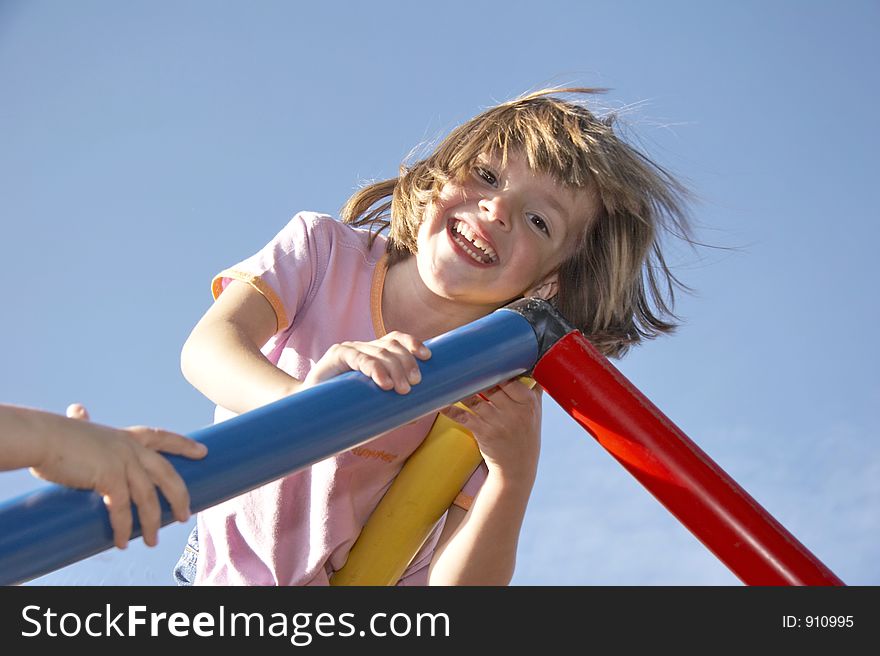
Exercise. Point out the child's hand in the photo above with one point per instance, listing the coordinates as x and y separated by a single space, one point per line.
506 422
390 361
124 467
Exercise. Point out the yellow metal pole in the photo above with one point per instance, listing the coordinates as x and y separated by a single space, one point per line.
424 489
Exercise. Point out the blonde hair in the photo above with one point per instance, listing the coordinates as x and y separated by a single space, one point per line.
615 286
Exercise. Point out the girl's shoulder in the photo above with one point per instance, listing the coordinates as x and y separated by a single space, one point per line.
334 232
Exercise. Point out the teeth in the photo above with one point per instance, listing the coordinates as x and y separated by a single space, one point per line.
464 245
488 254
479 243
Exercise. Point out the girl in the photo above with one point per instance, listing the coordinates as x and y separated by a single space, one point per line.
533 197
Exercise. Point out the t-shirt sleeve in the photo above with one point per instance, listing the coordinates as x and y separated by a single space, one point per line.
465 498
287 271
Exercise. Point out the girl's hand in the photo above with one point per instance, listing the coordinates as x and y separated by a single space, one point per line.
506 422
390 361
124 467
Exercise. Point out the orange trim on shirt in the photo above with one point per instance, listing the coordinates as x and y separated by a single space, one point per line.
257 283
376 288
463 501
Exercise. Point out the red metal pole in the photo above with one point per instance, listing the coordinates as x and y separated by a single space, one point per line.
730 523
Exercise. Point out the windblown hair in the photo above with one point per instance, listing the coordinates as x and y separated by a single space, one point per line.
615 286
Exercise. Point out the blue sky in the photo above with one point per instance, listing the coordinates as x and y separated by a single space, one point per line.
147 145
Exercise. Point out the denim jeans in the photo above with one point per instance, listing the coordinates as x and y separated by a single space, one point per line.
185 569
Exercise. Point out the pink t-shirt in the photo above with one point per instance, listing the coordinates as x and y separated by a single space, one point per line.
325 284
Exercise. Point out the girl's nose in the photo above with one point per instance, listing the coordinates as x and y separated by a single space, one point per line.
496 208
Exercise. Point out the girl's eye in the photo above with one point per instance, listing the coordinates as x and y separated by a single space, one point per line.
539 223
485 174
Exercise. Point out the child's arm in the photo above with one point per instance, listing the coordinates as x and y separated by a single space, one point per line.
478 547
222 357
121 465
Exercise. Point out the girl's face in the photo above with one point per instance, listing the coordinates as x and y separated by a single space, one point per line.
500 234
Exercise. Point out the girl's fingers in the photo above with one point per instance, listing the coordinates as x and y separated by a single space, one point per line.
144 497
473 422
167 442
118 504
404 365
412 344
389 365
366 361
473 401
456 414
452 412
391 361
77 411
398 363
166 478
515 391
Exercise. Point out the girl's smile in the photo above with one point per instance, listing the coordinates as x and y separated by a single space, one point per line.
476 248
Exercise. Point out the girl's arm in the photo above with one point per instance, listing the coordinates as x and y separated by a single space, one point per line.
121 465
222 357
478 547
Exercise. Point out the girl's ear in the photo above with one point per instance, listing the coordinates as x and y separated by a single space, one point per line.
546 289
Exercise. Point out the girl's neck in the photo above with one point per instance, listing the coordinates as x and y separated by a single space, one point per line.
410 307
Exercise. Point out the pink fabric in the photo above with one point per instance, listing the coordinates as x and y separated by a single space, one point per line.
298 530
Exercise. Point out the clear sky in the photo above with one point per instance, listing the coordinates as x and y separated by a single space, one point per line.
144 146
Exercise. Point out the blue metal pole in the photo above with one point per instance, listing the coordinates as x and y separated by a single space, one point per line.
55 526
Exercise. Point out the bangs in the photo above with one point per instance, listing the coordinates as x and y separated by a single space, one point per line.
555 139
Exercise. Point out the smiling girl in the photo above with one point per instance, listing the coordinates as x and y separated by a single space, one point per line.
533 197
